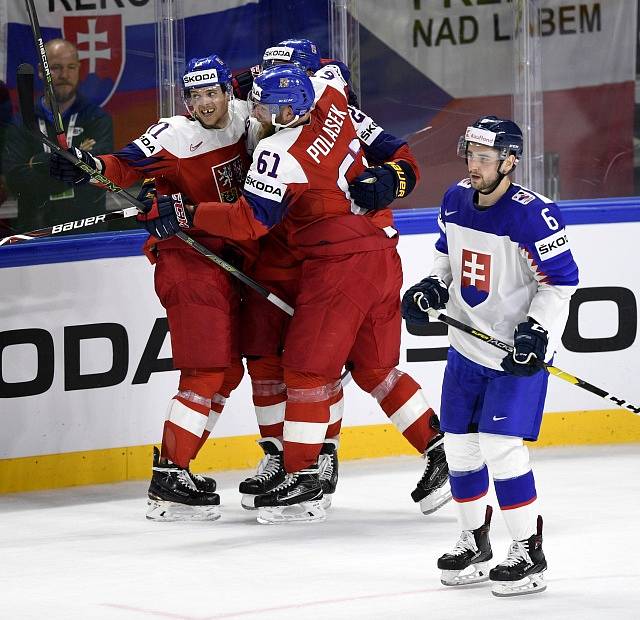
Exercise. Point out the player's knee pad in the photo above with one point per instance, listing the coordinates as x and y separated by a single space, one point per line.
506 456
197 384
369 379
232 376
463 452
265 367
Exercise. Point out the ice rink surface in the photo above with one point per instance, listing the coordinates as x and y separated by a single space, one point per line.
89 553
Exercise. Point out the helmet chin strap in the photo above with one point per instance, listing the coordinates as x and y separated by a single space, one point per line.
278 126
494 186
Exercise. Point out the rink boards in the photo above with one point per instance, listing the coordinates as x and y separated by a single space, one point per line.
85 357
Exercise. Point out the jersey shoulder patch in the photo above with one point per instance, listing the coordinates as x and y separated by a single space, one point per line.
331 71
165 134
554 244
523 196
366 128
466 183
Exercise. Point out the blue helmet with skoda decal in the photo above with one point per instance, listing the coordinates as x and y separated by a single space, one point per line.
501 134
281 85
300 52
207 71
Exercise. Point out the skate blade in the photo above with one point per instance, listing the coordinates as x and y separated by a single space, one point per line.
248 502
325 502
305 512
476 573
171 511
529 585
436 500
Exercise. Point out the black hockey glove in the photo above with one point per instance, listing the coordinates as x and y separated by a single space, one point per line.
431 292
529 348
165 215
376 188
242 82
64 170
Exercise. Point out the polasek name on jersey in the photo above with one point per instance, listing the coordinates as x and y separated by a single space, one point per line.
322 145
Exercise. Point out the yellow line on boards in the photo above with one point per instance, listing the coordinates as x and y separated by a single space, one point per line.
52 471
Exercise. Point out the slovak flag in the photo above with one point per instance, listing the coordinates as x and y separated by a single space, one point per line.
100 42
475 279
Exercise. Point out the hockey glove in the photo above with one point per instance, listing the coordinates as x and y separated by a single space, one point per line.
376 188
62 169
431 292
529 348
165 216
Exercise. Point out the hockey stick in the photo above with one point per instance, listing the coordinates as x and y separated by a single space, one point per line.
48 80
25 95
26 103
552 370
24 82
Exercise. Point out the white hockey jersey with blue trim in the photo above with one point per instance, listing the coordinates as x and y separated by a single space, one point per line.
502 264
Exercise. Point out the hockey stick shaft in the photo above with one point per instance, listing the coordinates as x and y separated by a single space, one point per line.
139 206
46 72
552 370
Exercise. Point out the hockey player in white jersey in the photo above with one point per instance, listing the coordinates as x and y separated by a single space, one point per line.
205 156
502 264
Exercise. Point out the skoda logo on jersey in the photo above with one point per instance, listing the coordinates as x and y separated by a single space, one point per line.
475 280
206 76
100 42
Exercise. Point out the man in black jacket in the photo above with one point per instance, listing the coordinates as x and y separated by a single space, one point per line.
42 200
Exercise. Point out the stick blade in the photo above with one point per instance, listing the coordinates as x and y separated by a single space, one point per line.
24 81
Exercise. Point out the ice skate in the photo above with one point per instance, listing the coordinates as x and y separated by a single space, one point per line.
328 469
469 560
523 570
268 476
174 496
433 490
297 499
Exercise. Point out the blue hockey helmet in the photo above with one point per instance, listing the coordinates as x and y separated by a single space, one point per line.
501 134
207 71
300 52
282 85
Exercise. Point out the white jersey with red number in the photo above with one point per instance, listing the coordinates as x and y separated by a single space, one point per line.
183 156
300 176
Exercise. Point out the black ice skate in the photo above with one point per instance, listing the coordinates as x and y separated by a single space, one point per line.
523 570
203 483
269 475
328 469
469 560
433 490
298 498
174 496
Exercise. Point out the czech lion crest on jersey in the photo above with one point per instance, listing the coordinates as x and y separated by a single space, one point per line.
229 177
100 43
475 279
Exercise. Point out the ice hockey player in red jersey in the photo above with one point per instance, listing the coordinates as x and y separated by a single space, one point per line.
265 326
204 156
347 307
